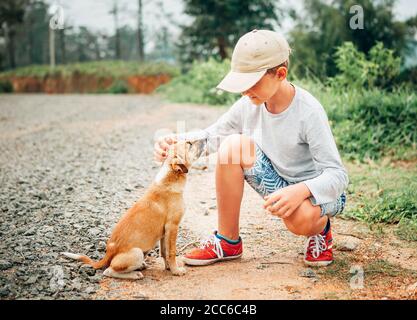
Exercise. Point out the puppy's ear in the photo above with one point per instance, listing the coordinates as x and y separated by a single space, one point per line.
179 167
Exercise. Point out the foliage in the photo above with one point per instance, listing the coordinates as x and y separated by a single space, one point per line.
218 24
383 193
408 78
109 68
407 229
199 84
367 124
118 87
377 124
357 71
11 16
24 35
388 208
5 86
325 26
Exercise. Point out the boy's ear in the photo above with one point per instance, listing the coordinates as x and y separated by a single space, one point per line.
282 72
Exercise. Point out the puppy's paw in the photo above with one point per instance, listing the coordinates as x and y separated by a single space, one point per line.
143 266
179 271
180 262
137 275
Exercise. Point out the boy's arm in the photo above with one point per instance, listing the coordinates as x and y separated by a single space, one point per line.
229 123
333 180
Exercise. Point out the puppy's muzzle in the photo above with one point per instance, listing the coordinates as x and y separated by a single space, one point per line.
200 147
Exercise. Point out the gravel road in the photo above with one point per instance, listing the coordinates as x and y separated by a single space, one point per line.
70 165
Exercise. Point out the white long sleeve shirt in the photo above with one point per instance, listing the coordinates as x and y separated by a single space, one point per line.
298 141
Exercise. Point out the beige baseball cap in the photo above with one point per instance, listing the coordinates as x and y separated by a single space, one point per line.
255 53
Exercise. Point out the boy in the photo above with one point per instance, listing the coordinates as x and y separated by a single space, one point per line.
277 138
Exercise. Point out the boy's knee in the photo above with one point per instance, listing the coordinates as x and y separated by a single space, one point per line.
303 221
237 149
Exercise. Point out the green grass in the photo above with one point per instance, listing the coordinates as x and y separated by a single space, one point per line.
387 269
199 85
373 270
370 124
381 193
407 229
106 68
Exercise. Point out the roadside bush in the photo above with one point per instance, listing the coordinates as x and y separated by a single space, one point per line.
377 125
104 68
357 71
389 207
370 124
5 86
199 85
118 87
407 229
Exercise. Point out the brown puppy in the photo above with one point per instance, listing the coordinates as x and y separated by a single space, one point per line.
155 217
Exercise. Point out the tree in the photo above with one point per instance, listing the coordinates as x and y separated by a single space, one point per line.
219 23
141 50
115 12
326 26
11 15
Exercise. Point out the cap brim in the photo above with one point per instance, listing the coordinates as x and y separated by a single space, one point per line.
238 82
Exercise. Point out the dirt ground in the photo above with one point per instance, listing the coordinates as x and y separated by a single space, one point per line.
272 264
111 139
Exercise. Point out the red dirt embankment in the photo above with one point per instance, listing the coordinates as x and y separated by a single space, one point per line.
82 83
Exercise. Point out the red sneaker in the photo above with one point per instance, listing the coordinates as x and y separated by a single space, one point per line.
213 250
318 251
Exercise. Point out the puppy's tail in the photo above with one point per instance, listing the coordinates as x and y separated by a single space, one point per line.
83 258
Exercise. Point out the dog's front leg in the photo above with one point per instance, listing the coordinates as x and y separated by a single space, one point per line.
171 231
163 251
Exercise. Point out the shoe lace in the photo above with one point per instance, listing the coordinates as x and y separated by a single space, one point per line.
214 243
316 245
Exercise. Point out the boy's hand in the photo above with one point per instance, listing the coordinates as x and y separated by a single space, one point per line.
161 147
283 202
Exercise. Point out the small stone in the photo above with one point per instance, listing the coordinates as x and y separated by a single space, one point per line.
308 273
49 235
76 284
140 296
101 246
30 232
206 212
213 207
349 244
94 232
4 264
32 280
89 290
412 287
87 271
95 279
4 292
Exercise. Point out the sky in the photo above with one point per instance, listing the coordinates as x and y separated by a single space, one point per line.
95 14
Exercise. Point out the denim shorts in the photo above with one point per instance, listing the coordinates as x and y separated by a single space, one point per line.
264 179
